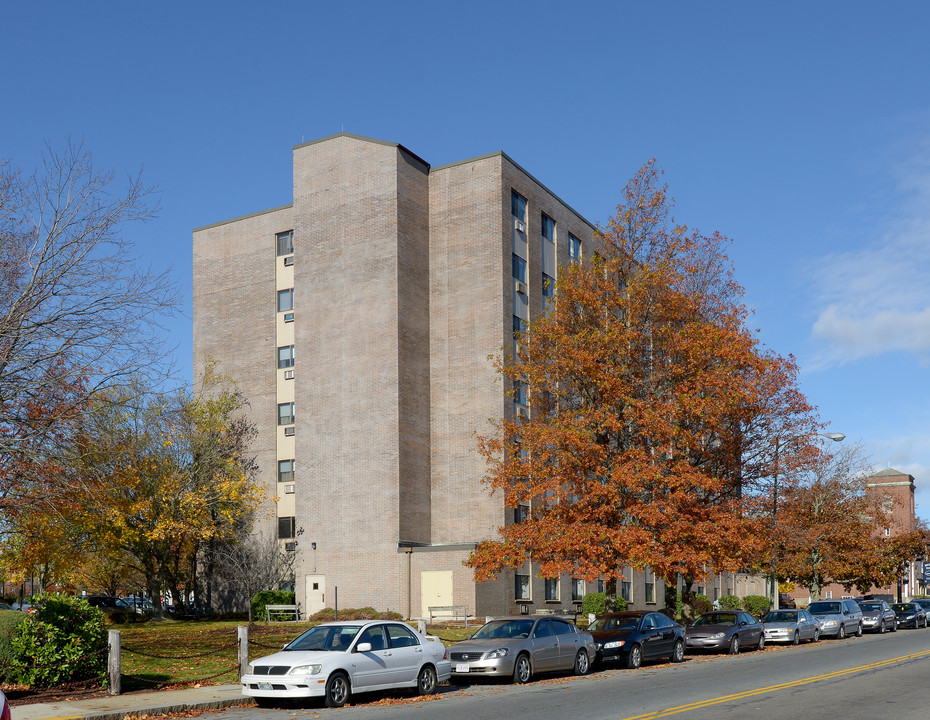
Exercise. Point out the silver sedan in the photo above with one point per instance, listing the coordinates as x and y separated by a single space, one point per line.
790 626
518 647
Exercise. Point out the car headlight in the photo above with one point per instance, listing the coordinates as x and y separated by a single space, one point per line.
315 669
717 636
829 623
909 616
614 644
499 653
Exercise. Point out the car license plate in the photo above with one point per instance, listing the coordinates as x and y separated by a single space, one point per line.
264 686
461 667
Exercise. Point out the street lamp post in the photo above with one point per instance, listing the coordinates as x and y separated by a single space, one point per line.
835 437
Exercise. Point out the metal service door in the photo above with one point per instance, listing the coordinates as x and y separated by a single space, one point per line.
315 593
435 589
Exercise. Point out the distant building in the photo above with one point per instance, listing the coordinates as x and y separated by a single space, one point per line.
358 321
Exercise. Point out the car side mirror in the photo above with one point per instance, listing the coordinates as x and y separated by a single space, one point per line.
363 647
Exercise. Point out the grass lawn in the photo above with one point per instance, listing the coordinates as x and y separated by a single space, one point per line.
184 652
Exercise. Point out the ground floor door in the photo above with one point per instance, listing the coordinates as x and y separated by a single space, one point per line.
315 594
435 590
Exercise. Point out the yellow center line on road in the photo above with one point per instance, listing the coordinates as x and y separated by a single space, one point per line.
783 686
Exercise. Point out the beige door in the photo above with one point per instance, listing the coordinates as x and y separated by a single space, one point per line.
435 589
316 594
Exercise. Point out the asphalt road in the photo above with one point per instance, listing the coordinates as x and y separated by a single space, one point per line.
868 678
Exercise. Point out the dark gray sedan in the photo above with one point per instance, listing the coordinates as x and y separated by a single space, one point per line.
725 630
518 647
877 616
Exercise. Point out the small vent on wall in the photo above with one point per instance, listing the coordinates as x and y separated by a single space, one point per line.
517 348
288 317
288 374
519 225
288 489
290 546
289 431
520 287
523 411
289 260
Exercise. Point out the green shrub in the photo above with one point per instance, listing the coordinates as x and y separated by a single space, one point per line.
756 605
730 602
271 597
10 620
63 641
597 604
365 613
701 604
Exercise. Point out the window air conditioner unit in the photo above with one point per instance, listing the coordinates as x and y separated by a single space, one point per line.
289 431
519 225
518 347
288 489
520 287
288 317
288 374
289 260
523 412
290 546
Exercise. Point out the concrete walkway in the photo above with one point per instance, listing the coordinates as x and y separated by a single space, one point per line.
116 707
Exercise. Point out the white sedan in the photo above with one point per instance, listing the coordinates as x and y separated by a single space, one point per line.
335 660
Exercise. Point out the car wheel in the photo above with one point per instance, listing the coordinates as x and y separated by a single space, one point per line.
635 658
796 640
859 630
817 635
882 628
734 645
522 670
678 652
582 664
426 680
841 633
894 626
761 645
337 690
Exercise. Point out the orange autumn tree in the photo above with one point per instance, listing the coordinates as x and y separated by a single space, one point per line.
647 390
831 530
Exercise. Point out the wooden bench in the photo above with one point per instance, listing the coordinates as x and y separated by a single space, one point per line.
282 612
452 612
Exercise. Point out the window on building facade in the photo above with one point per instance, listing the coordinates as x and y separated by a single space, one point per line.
548 228
285 242
519 327
521 587
521 513
577 590
574 248
827 594
548 287
519 268
650 594
285 300
286 527
519 393
286 413
599 586
285 471
626 587
518 205
286 356
552 589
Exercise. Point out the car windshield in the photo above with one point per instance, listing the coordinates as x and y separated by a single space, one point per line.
781 616
825 608
326 637
870 606
616 622
504 629
716 619
902 607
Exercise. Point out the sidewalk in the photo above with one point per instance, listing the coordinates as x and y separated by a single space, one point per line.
116 707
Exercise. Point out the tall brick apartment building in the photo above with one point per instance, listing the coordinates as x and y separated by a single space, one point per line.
358 321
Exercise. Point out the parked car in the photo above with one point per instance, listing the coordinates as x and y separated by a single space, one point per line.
837 618
518 647
924 603
878 616
4 606
338 659
108 603
786 602
628 638
790 626
910 614
725 630
142 605
4 707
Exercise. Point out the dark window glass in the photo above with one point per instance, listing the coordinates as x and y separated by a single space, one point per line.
285 527
285 242
518 265
518 206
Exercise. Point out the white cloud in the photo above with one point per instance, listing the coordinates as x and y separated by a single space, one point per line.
876 299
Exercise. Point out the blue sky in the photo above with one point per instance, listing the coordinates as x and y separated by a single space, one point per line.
800 130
